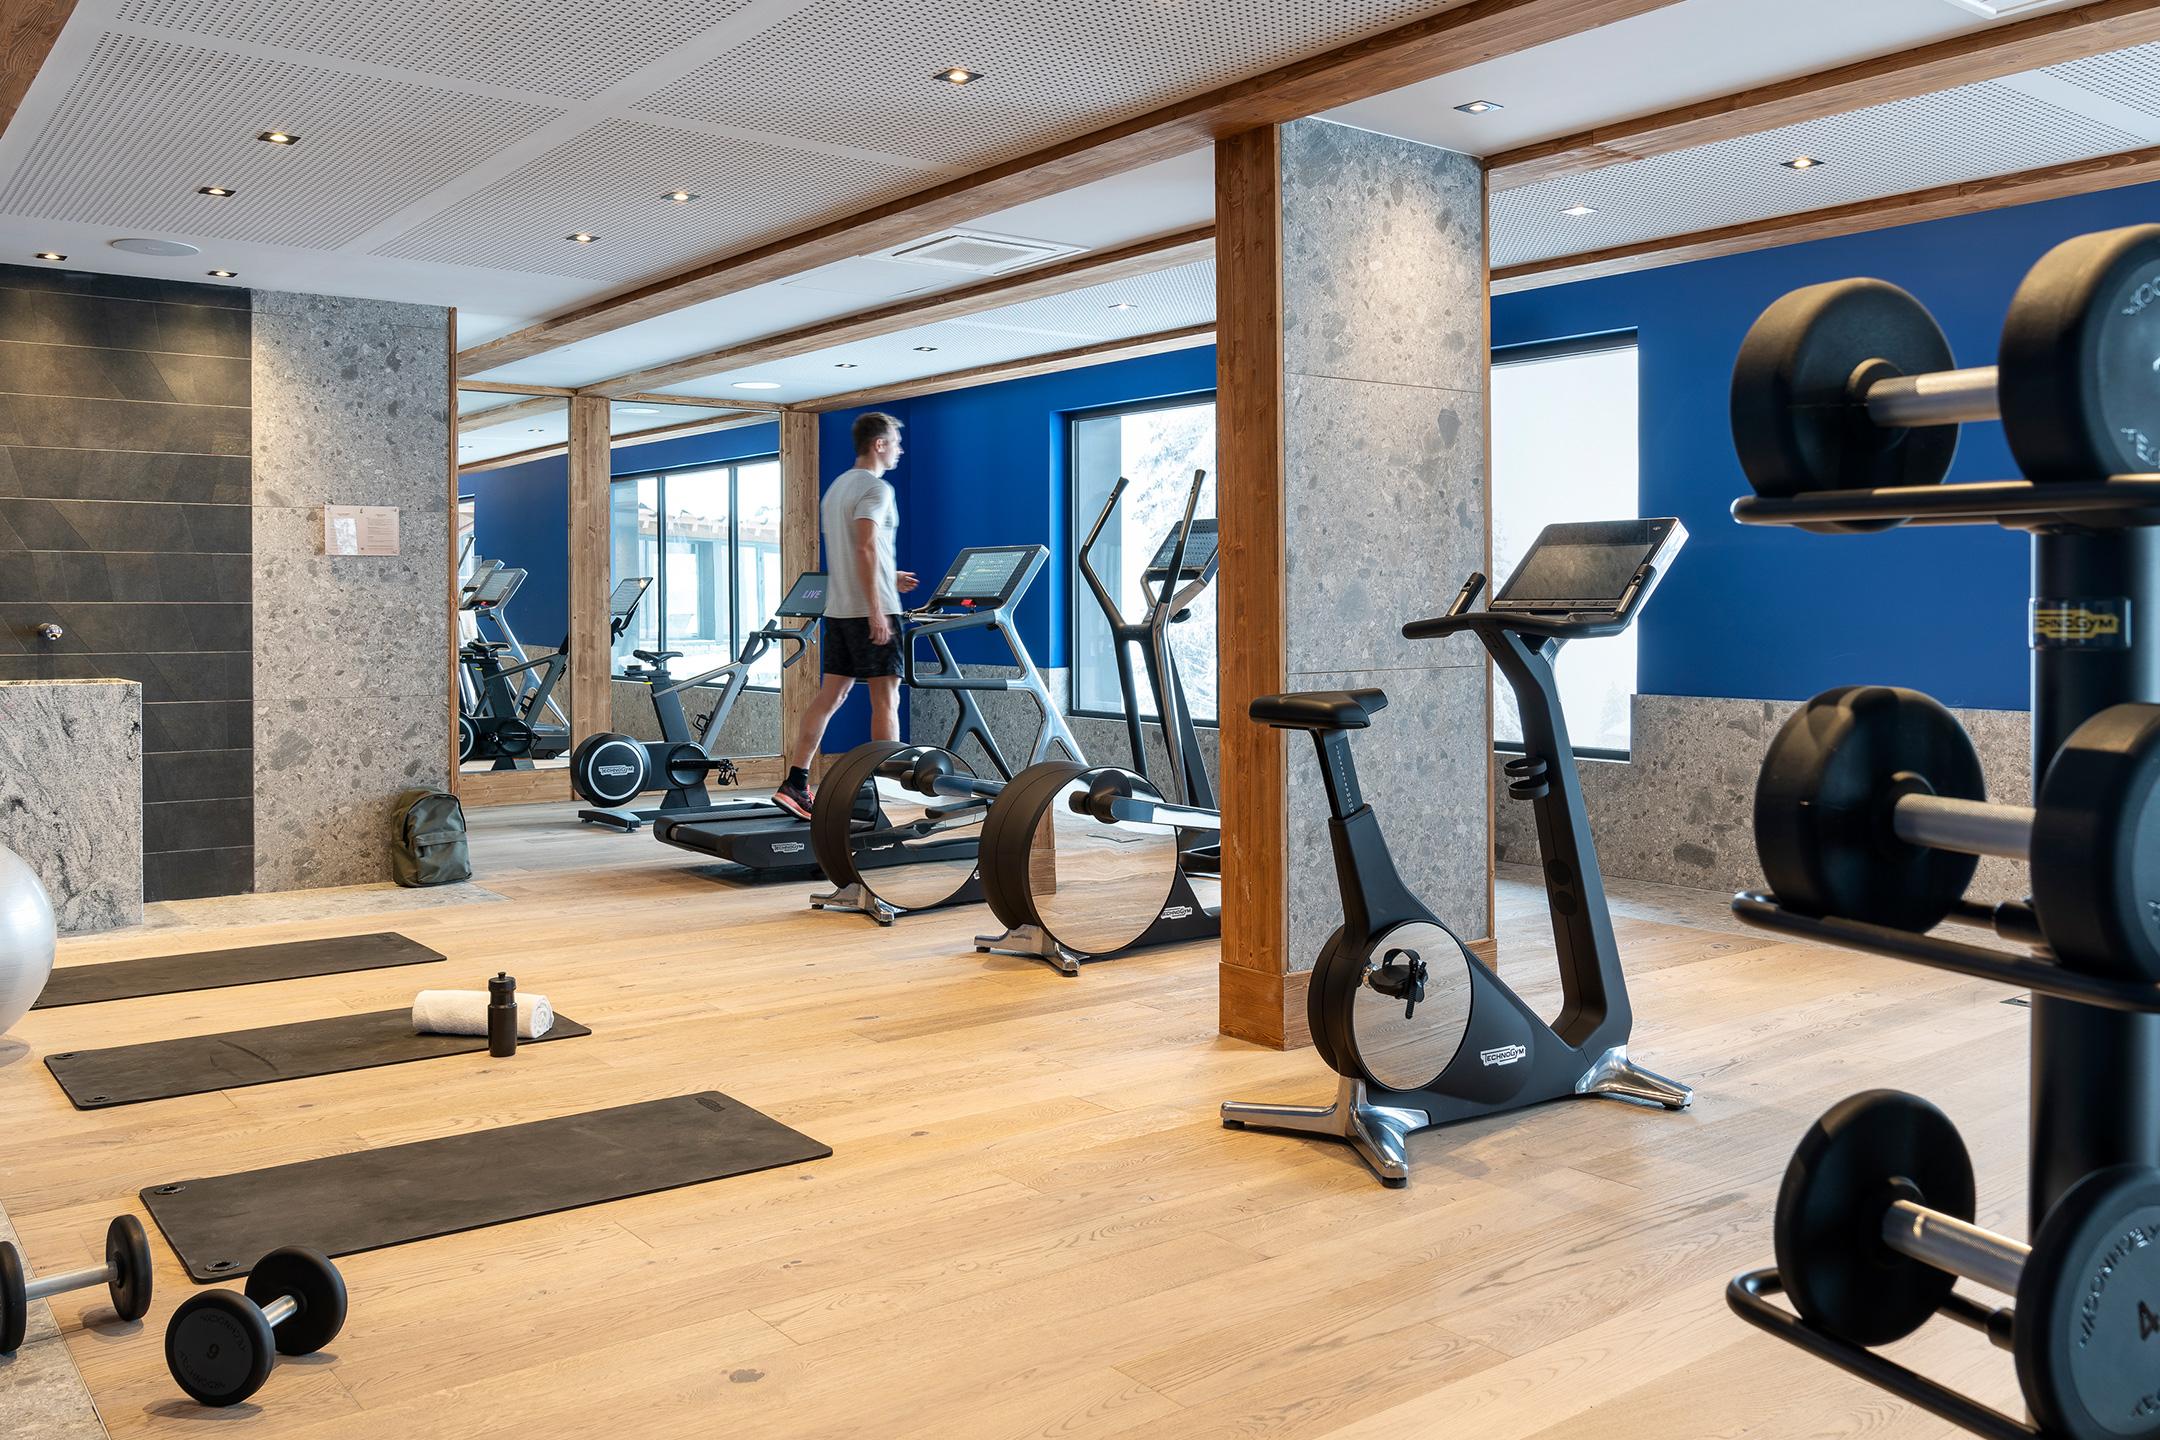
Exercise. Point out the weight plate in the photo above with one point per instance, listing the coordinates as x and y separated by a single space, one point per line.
608 769
14 1303
1824 799
1391 1049
127 1251
1866 1152
309 1277
2080 360
2096 846
2088 1309
219 1348
1800 422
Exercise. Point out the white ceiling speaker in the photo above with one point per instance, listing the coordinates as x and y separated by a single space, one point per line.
976 252
1998 9
156 247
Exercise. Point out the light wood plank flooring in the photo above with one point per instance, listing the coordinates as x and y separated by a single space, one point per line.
1032 1224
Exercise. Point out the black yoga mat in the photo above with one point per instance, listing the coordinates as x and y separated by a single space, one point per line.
218 969
163 1069
370 1199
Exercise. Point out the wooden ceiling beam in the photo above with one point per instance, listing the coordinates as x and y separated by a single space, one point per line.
647 398
1984 54
28 31
498 387
2054 182
681 429
1464 35
1104 267
515 410
1099 354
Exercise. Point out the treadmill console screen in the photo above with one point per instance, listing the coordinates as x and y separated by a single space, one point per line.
1589 565
806 597
987 575
1199 550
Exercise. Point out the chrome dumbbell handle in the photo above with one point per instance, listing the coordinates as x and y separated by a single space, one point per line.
48 1285
1971 827
1946 397
278 1311
1965 1250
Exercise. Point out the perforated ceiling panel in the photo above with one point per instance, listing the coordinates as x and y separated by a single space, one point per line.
612 181
859 72
1965 134
146 123
1164 300
572 48
2128 77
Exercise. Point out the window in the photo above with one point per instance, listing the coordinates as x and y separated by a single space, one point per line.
709 538
1564 448
1157 447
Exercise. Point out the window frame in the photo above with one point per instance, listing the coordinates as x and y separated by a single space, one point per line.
1568 347
733 586
1076 528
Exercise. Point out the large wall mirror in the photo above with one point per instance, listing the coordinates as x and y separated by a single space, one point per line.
511 685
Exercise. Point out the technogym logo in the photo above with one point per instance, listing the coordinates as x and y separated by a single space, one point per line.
1503 1054
612 770
1176 912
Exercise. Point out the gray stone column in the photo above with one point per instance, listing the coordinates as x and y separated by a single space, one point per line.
71 796
1384 458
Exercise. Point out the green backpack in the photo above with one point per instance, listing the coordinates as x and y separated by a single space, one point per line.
428 845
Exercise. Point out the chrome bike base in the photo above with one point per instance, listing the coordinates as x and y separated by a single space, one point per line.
1377 1132
1616 1075
855 900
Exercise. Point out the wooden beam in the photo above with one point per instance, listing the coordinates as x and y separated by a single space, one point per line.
1467 34
1259 998
680 430
515 410
731 404
2054 182
503 387
798 552
1983 54
590 475
1160 343
27 35
1122 263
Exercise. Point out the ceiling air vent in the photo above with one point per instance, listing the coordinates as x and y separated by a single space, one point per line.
976 253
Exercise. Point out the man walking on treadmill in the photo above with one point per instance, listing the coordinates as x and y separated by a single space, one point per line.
860 517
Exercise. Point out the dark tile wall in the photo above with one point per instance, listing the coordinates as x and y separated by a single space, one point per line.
125 486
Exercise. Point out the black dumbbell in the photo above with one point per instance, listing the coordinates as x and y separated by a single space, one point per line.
1849 385
125 1274
222 1344
1874 1228
1870 806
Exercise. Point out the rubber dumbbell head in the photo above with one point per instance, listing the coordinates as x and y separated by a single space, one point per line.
126 1276
1825 801
221 1345
2088 1309
2079 384
2096 846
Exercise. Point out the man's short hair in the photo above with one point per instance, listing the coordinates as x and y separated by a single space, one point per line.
872 426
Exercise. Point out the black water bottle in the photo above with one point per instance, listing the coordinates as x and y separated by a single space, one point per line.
502 1015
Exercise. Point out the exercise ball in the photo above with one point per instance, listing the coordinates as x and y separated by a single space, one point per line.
27 938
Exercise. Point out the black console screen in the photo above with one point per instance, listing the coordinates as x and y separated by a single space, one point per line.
1581 566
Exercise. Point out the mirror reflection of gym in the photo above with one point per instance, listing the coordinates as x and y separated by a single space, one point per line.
512 543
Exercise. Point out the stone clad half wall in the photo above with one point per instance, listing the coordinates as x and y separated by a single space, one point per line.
351 651
1354 499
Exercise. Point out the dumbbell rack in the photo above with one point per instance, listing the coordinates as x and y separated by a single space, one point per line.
2095 1064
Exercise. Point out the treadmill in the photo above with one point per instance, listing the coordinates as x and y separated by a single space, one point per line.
977 593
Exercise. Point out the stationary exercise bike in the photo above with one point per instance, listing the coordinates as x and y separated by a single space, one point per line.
609 770
1420 1033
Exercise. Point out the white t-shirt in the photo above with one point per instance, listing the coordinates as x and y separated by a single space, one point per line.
859 495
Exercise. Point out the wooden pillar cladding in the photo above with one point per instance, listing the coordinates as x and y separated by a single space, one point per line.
591 470
799 492
1260 1000
456 630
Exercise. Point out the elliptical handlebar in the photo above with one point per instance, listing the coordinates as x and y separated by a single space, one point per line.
1103 597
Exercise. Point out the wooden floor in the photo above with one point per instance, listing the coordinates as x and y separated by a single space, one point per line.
1032 1223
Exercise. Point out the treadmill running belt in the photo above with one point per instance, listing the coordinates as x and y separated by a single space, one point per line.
218 969
195 1064
369 1199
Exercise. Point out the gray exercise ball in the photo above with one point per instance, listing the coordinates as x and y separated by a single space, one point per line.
27 938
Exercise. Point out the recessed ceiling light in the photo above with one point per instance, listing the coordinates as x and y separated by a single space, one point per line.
1802 162
278 137
225 274
958 75
757 385
220 191
137 245
582 238
1124 305
845 365
1578 211
926 348
536 430
640 410
680 197
1480 107
50 255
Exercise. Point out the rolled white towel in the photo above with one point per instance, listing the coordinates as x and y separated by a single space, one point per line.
465 1012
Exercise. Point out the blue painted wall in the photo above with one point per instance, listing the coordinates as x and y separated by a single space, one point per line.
521 516
1780 614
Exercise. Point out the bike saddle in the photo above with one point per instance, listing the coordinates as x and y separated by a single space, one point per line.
1319 709
657 657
